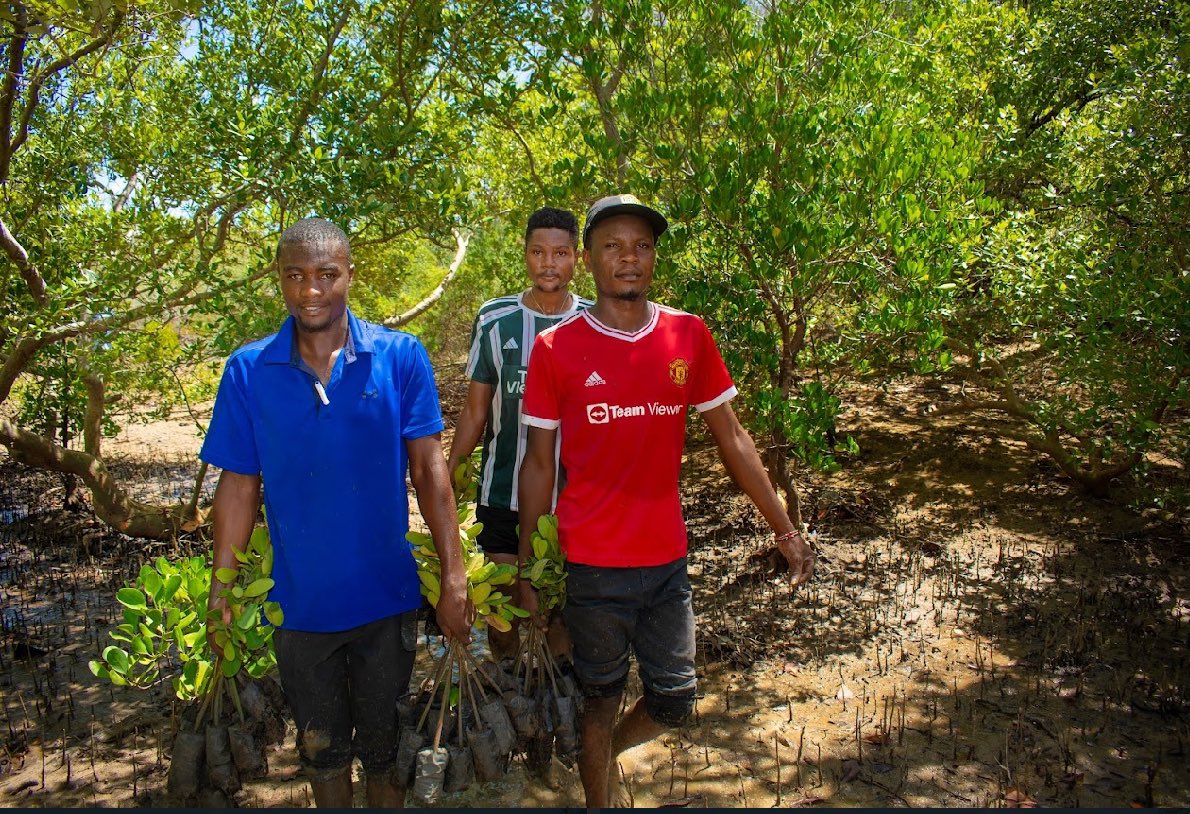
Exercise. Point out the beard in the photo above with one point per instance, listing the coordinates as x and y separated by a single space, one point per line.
317 324
628 296
316 327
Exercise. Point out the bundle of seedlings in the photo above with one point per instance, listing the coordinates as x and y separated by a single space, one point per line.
465 480
547 705
455 731
235 709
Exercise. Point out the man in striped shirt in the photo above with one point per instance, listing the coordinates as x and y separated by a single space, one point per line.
501 341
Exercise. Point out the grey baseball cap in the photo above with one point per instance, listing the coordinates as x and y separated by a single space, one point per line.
623 205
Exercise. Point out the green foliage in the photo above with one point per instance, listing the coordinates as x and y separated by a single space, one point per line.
484 577
155 149
465 480
1076 309
819 199
860 188
978 189
164 627
165 623
546 568
247 641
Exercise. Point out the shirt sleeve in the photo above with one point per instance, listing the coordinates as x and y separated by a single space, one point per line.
540 406
481 366
712 384
421 415
230 442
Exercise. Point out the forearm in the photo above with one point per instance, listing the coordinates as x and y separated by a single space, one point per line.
745 467
469 429
435 500
742 461
536 486
536 489
237 500
743 464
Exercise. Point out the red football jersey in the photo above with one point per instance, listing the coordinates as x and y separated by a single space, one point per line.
619 401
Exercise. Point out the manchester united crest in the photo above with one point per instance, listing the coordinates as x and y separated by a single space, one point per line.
679 371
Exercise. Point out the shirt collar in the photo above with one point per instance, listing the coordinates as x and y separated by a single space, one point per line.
283 349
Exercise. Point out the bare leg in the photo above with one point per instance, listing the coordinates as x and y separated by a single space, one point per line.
635 728
603 743
383 791
333 793
504 644
594 761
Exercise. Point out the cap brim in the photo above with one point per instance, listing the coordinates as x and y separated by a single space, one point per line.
655 218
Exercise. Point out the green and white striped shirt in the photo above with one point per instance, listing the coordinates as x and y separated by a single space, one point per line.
501 342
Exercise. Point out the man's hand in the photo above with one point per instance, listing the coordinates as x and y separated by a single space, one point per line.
800 557
526 599
455 613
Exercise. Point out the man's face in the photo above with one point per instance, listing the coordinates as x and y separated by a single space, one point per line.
315 278
549 259
620 254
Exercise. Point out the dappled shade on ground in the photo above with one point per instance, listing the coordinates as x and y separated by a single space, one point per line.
976 634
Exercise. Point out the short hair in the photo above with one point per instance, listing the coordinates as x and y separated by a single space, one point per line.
314 230
550 218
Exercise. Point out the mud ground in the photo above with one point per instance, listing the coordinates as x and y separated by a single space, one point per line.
978 633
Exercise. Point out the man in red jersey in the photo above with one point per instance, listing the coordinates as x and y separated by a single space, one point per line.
616 381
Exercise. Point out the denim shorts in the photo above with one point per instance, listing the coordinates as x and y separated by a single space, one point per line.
647 610
342 689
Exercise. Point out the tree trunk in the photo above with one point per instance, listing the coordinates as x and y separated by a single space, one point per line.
70 484
782 475
111 503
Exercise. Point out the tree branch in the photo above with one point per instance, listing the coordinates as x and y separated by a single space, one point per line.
126 195
299 123
112 504
93 418
604 99
462 239
1015 405
20 258
528 153
16 360
613 81
25 348
16 58
1076 101
58 65
192 505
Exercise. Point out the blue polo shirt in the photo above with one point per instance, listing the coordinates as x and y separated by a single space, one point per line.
333 474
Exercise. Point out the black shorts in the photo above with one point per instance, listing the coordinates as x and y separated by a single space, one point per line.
499 535
343 688
611 612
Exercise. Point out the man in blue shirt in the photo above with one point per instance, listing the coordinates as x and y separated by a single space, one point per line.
329 413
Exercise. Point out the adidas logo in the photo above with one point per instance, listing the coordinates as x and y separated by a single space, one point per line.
511 344
595 379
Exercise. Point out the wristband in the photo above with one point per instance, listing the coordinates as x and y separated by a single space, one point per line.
789 535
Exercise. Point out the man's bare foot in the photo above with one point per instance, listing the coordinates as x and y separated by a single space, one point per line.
619 790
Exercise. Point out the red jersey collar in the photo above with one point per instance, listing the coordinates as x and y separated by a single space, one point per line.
625 336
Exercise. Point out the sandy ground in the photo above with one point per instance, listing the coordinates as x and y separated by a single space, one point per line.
977 634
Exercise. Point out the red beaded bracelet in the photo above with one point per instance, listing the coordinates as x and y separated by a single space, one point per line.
789 535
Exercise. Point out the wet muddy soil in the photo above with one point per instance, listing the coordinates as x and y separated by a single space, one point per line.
977 634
